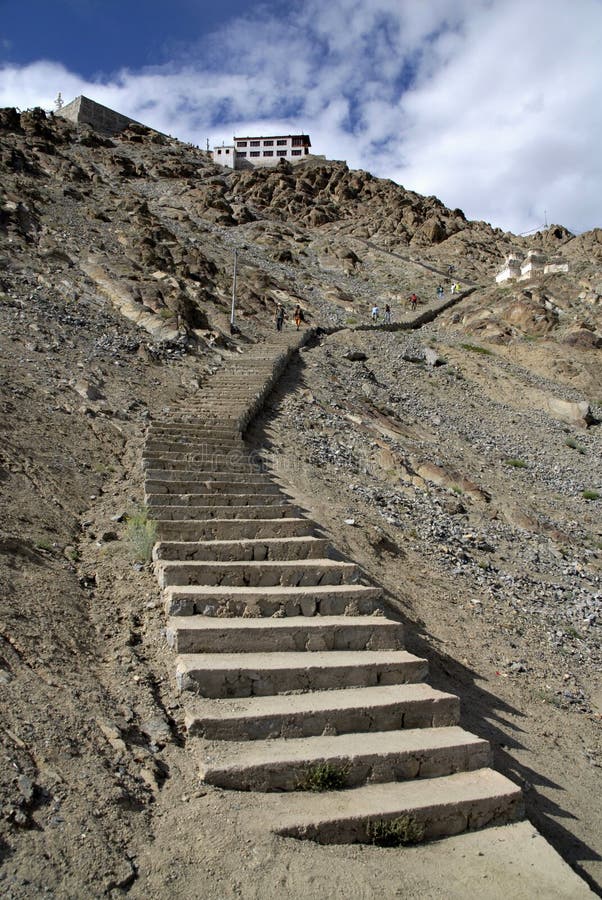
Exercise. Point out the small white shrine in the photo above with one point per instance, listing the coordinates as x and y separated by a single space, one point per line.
522 268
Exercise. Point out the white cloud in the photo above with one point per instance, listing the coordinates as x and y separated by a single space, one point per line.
493 105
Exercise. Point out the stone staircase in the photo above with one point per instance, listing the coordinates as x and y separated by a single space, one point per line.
293 673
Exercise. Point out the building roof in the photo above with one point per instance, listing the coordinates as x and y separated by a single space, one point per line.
274 137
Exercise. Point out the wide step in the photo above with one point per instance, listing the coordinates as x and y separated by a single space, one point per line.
288 573
429 808
269 500
207 634
248 549
259 674
323 600
233 529
200 512
372 757
254 487
385 708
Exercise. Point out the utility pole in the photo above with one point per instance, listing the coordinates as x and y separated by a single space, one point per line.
233 294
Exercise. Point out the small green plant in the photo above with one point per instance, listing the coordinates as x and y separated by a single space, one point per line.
572 632
474 348
102 468
324 777
457 489
43 544
351 320
141 534
516 463
395 832
572 443
590 495
548 696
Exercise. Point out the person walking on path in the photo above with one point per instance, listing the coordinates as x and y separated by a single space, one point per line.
298 316
413 301
375 313
280 317
440 292
387 314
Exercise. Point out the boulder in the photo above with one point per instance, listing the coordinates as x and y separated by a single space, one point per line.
578 414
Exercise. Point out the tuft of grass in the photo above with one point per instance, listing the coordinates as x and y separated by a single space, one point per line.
516 463
457 489
395 832
590 495
141 534
548 696
323 777
572 632
474 348
351 320
43 544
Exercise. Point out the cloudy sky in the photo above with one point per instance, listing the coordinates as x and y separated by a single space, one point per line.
492 105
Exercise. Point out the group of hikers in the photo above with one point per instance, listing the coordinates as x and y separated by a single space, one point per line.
280 316
413 301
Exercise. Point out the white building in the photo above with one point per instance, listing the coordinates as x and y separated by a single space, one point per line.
511 270
262 151
520 268
534 264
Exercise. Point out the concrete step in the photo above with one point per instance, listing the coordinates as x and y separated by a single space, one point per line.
199 512
218 479
200 499
195 430
233 529
249 549
210 447
256 602
210 634
232 463
196 498
216 466
252 487
385 708
250 573
368 758
439 807
260 674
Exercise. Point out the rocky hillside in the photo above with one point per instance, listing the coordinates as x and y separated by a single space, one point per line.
464 456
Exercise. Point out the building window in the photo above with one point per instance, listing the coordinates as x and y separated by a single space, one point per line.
254 143
295 153
227 151
268 152
297 142
280 152
239 154
254 153
219 152
268 143
281 143
241 143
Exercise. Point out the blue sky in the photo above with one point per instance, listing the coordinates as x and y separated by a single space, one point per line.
492 105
